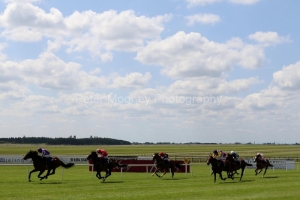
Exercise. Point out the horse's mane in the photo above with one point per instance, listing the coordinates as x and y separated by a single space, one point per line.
34 152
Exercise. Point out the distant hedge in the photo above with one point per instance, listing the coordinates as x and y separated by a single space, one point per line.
64 141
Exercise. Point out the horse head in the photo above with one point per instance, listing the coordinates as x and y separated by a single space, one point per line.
156 157
209 159
92 156
30 154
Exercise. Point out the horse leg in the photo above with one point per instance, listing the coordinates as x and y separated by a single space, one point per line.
48 173
172 171
53 171
221 177
39 176
29 175
242 174
214 176
98 175
154 172
165 171
265 171
108 173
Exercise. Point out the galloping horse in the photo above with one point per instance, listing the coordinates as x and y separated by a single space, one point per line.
40 165
217 167
236 165
163 166
261 164
100 166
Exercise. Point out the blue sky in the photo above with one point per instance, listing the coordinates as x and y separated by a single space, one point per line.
151 71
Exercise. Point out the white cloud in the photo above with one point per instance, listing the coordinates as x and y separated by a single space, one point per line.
132 80
268 38
99 33
202 2
192 55
48 71
288 77
124 31
12 91
26 22
203 18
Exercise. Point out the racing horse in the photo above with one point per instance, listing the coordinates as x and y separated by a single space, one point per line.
40 165
100 166
237 164
161 165
217 167
261 164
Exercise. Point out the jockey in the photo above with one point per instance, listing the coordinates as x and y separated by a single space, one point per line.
215 153
222 155
261 157
234 155
103 155
164 157
45 154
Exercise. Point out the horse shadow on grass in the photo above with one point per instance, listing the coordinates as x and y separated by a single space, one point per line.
108 182
243 181
53 183
271 177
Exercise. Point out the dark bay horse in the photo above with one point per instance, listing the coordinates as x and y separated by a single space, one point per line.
261 164
237 164
217 167
40 165
100 166
161 165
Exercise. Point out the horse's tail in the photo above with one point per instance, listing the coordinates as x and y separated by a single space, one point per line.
177 165
67 165
269 164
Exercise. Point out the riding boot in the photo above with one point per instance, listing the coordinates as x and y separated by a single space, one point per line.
46 162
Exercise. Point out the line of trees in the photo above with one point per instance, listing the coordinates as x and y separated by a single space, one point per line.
72 140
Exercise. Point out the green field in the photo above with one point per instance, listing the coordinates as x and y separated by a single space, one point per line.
79 183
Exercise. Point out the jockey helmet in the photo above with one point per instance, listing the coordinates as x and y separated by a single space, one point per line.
215 151
98 151
161 153
39 150
232 152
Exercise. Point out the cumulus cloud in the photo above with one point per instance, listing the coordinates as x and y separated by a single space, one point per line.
49 71
201 2
192 55
30 23
132 80
98 33
268 38
288 77
203 19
